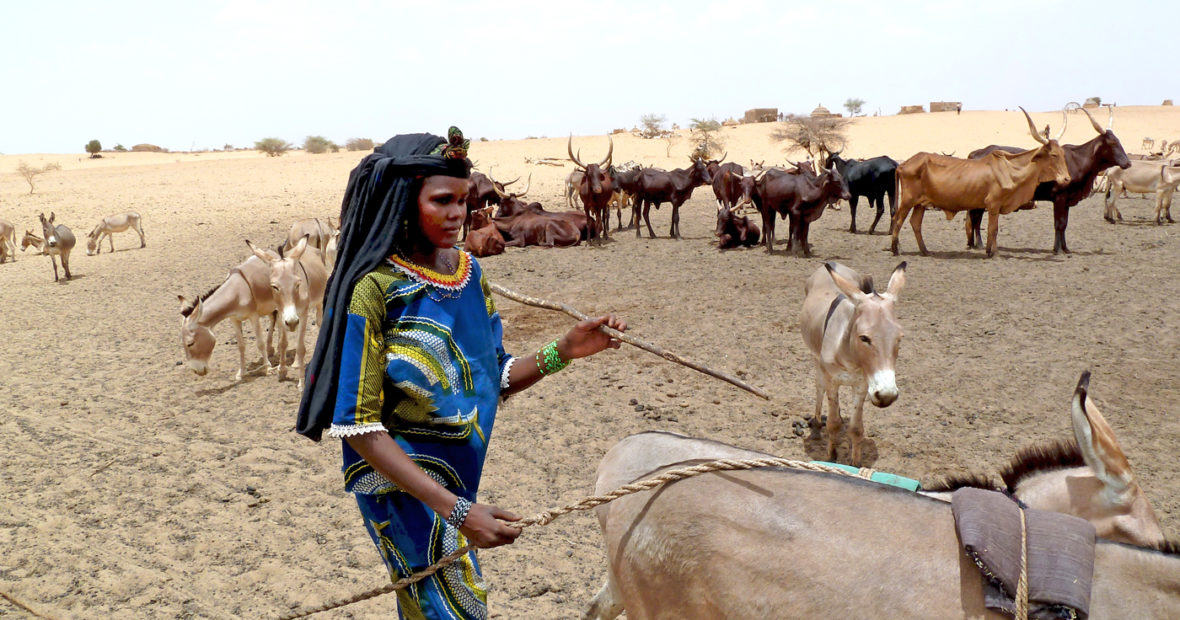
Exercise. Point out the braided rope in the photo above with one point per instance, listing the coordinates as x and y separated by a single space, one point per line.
1022 585
546 517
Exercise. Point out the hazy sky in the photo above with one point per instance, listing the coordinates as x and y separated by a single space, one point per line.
199 75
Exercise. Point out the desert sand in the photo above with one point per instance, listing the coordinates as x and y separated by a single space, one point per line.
132 488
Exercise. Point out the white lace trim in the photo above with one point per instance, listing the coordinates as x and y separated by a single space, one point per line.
504 373
340 430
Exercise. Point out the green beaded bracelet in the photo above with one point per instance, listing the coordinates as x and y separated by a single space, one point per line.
549 360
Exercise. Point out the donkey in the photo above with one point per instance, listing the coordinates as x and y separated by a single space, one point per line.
298 278
7 241
244 295
853 337
59 240
110 225
782 543
319 234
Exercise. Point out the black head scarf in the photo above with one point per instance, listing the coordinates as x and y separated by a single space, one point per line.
381 200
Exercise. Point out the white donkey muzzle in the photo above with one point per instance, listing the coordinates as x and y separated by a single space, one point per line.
883 388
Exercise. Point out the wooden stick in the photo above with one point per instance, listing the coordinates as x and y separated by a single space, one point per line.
631 340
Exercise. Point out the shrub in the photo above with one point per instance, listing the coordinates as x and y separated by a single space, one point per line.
705 133
28 172
320 144
816 136
119 148
273 147
94 147
359 144
853 106
227 148
653 125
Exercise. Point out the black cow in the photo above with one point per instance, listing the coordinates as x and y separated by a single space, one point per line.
657 186
872 178
1084 161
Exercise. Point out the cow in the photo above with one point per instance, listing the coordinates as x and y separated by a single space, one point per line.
798 197
872 178
1144 177
523 223
734 188
595 190
999 183
1085 163
735 231
655 187
624 178
485 238
482 192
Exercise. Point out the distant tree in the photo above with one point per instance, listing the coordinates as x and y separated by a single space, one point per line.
227 147
853 106
94 147
670 138
815 136
28 172
653 125
119 148
359 144
320 144
273 147
706 134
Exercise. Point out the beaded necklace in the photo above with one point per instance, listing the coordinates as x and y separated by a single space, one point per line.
445 286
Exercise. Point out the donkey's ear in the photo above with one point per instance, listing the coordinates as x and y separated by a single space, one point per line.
265 255
1099 448
300 247
846 286
896 281
183 302
52 216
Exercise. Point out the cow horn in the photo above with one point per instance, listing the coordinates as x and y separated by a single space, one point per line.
723 156
609 153
507 183
1094 123
1033 128
527 184
495 185
1064 124
570 147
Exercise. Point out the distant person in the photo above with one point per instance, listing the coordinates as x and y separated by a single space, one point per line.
958 109
409 369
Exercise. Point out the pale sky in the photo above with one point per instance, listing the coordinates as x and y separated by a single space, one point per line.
202 74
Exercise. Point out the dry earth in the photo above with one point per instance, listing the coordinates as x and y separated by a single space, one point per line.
132 488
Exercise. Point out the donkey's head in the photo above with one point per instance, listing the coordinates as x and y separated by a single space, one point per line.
288 281
29 239
874 334
48 230
92 240
196 339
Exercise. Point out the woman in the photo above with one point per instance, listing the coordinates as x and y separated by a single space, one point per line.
409 368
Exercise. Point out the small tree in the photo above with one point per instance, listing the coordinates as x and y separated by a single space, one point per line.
227 147
320 144
653 125
119 148
853 106
273 147
359 144
707 134
816 136
28 172
670 138
94 147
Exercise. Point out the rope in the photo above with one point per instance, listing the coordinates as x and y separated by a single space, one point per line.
1022 585
546 517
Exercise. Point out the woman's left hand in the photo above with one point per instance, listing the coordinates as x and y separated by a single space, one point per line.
585 339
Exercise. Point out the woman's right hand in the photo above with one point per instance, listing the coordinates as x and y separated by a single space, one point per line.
483 529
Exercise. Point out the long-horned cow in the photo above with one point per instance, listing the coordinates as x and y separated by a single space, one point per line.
528 223
655 186
853 337
595 190
110 225
1084 161
59 240
998 183
799 197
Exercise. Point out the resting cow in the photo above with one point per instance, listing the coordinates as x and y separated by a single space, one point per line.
999 183
735 231
524 224
484 239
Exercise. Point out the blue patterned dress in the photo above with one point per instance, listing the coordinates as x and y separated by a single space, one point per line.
422 360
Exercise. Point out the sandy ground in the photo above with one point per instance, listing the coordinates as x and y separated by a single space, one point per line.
132 488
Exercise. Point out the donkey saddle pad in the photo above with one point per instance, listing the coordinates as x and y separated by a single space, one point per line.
1060 554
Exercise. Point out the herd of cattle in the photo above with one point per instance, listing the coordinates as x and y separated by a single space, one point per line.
996 179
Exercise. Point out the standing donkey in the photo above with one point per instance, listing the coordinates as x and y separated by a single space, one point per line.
59 240
298 278
113 224
244 295
7 241
853 336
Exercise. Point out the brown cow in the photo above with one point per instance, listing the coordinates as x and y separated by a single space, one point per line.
999 183
485 238
524 224
595 190
734 231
